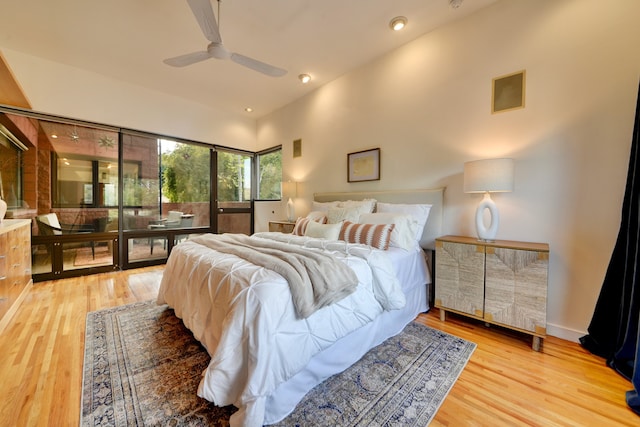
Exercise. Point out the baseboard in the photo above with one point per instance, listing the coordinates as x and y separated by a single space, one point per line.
6 319
564 333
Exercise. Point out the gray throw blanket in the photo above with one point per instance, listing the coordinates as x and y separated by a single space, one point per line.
316 279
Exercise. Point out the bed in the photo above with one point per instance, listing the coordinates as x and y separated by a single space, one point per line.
267 352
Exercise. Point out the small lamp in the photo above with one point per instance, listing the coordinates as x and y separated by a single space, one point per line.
289 190
488 176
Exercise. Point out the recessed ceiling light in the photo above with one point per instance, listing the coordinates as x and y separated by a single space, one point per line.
248 109
398 23
304 78
54 136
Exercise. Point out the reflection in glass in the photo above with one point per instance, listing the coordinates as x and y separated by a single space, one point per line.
94 254
41 258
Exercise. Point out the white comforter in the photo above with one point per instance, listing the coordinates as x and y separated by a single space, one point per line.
244 317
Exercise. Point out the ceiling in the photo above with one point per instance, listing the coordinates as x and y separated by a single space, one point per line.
128 40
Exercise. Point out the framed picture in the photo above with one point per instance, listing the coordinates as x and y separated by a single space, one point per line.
508 92
363 165
297 147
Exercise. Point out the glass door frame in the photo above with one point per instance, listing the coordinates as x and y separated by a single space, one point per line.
168 234
216 209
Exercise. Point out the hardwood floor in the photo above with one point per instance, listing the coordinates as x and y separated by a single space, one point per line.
504 384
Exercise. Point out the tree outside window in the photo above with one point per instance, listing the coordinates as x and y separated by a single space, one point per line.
270 175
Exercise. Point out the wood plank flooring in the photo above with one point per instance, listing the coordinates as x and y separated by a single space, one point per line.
504 384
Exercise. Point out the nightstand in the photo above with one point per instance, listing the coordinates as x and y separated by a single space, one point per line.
502 282
281 226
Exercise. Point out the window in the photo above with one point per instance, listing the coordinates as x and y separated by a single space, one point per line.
88 183
234 196
162 175
270 174
10 169
186 172
234 176
84 165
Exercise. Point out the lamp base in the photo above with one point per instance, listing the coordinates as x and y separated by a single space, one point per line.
487 234
486 240
291 211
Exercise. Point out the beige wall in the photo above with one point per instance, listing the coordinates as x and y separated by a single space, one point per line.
427 106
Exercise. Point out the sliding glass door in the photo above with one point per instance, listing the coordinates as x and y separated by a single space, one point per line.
166 195
76 203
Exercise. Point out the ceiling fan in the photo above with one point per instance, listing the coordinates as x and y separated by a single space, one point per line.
203 12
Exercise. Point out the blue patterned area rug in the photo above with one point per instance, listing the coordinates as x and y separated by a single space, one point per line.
142 367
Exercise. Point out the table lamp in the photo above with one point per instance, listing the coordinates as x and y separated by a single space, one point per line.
290 190
488 176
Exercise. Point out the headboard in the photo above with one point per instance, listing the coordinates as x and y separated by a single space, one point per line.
433 197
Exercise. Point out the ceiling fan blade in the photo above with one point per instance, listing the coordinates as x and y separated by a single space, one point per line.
259 66
188 59
203 11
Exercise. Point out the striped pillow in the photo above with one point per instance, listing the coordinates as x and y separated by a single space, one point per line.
301 224
374 235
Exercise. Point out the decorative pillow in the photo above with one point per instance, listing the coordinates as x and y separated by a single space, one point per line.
302 223
374 235
369 204
323 231
419 212
404 232
346 214
301 226
318 216
323 206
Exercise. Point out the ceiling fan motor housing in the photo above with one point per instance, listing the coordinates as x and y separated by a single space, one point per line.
217 50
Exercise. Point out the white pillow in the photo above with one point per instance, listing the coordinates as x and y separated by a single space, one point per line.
323 231
346 214
318 216
323 206
404 232
418 211
369 204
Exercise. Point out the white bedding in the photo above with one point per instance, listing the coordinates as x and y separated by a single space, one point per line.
244 317
412 268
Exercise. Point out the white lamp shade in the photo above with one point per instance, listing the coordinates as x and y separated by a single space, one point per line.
289 189
489 175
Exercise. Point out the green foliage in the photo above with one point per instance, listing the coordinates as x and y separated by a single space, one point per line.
234 177
185 174
270 175
140 192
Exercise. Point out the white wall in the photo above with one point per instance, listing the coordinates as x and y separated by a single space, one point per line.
62 90
427 106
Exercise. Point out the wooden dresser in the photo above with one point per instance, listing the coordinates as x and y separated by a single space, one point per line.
15 266
501 282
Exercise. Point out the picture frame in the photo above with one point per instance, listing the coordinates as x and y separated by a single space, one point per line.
297 148
508 92
363 165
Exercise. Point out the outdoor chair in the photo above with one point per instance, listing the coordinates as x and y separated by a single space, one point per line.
49 225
